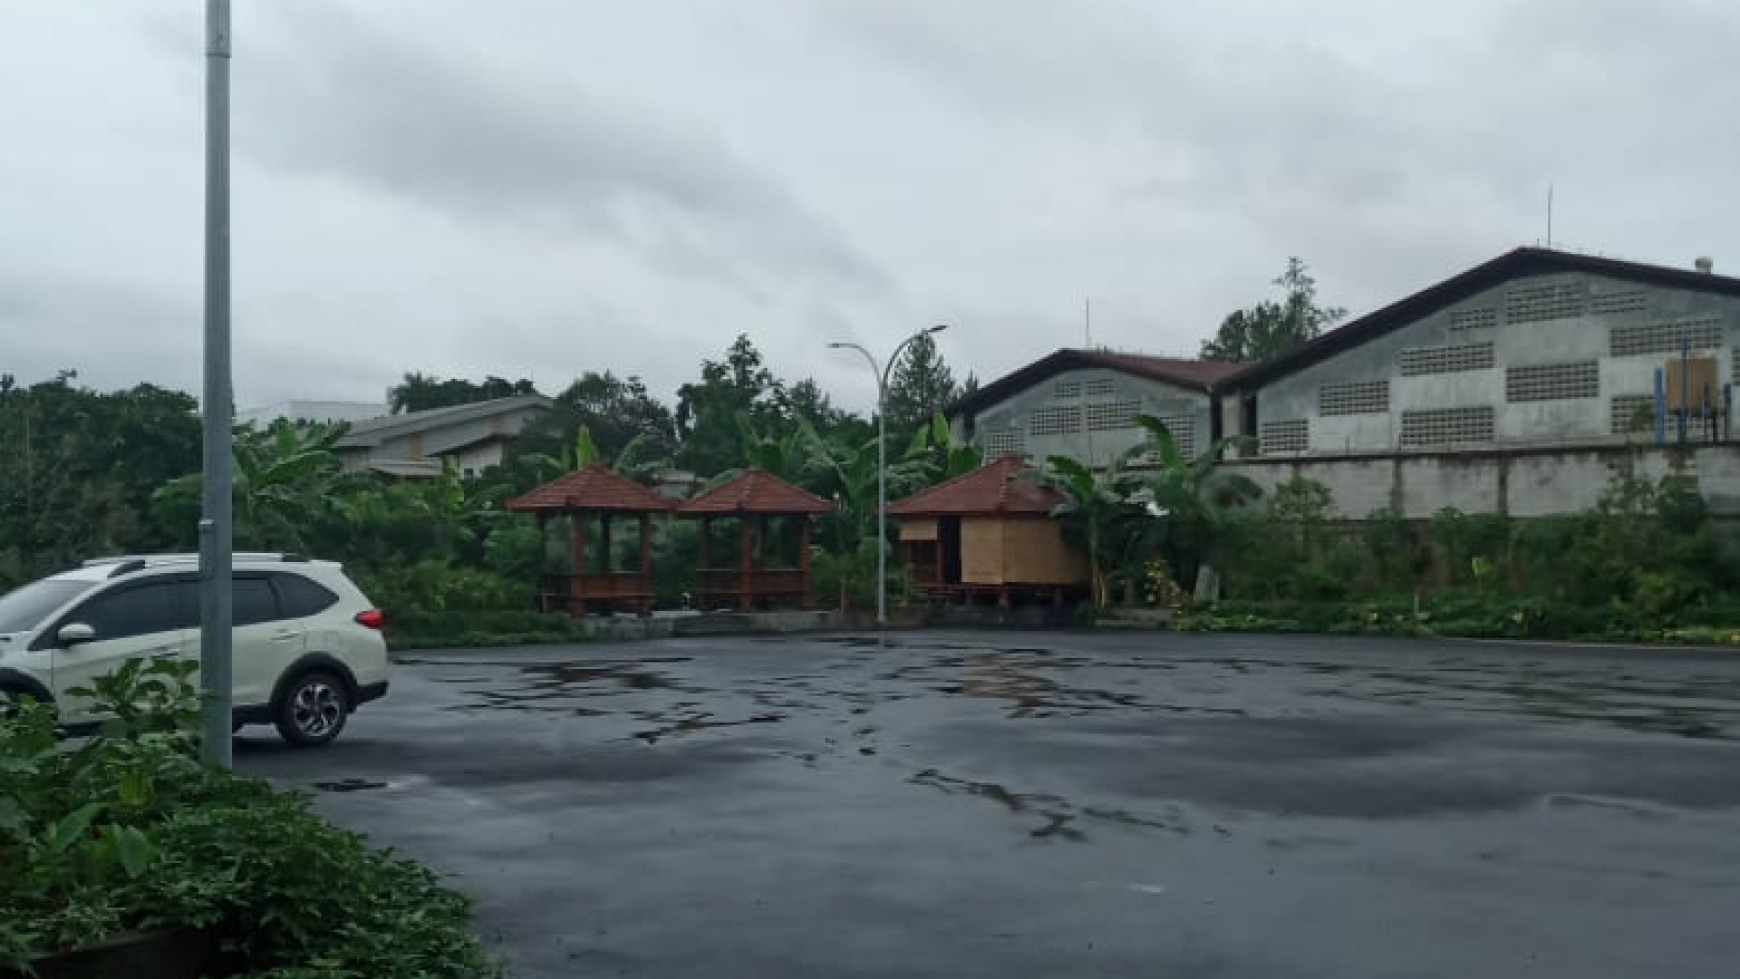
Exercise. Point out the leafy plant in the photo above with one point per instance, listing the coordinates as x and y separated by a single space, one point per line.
128 832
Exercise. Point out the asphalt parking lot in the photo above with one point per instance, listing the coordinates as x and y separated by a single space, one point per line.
1055 804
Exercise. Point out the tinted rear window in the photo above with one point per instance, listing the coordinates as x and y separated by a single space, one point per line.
131 610
301 598
254 602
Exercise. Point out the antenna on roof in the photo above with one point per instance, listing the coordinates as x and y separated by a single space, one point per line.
1087 321
1549 214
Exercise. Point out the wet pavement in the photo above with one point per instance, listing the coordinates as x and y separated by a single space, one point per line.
1053 805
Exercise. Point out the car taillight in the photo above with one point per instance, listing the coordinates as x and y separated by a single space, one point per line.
374 618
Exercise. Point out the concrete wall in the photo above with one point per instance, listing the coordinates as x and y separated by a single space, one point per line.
1518 482
1541 320
1085 414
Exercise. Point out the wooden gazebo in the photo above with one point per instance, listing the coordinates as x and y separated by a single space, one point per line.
761 577
596 492
988 532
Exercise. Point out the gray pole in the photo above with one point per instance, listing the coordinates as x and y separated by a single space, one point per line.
881 373
882 494
214 527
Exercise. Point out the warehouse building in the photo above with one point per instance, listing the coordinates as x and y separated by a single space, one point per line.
1518 386
1083 404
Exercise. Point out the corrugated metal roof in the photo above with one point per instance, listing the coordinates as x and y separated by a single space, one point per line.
377 430
1193 375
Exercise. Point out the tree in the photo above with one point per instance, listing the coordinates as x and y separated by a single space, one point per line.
283 480
1195 499
421 392
1096 511
920 386
78 467
707 411
1271 328
615 412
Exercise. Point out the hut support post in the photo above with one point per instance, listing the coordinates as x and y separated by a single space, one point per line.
803 560
646 562
745 575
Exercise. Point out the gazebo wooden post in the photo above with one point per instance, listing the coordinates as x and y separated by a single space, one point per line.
604 539
543 519
706 561
646 562
937 552
745 574
577 586
804 558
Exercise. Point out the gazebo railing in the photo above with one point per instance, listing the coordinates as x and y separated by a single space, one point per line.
564 591
762 581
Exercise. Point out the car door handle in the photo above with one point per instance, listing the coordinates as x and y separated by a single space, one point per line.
286 636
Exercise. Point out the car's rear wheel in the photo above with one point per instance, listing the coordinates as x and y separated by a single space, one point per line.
313 710
11 696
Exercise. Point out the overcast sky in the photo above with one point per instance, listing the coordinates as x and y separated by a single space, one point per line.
542 187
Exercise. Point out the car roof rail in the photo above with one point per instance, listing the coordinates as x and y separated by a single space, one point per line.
145 560
127 567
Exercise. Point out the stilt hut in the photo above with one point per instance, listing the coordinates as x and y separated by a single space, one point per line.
595 584
770 569
988 533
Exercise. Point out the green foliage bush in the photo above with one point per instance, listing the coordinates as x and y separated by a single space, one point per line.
436 630
130 833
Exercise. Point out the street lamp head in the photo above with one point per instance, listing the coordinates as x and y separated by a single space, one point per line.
835 345
937 328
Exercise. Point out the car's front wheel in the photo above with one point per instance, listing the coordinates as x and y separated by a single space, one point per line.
313 709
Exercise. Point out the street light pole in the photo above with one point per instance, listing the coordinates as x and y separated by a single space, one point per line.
215 558
881 373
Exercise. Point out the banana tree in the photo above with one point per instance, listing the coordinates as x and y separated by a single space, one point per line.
282 480
1098 510
1195 498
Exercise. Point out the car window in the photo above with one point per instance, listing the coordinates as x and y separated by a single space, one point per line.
131 610
253 601
299 598
23 609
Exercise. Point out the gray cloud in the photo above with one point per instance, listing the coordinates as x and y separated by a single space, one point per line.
542 187
487 140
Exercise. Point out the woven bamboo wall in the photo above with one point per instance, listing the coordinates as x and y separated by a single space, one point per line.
1018 552
914 528
981 551
1034 553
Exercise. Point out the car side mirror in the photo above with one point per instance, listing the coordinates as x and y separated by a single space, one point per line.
74 633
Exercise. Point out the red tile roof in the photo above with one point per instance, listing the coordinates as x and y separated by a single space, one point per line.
754 491
592 488
994 488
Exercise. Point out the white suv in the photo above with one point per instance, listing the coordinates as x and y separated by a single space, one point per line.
307 644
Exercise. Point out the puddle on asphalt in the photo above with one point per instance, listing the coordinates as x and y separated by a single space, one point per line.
1059 818
700 722
351 785
1701 708
552 682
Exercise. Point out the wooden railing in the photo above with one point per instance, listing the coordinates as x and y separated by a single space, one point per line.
558 592
772 581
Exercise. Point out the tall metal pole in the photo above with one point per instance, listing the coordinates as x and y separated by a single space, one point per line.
882 493
881 373
215 559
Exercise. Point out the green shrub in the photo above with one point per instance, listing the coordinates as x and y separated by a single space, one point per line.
432 630
128 832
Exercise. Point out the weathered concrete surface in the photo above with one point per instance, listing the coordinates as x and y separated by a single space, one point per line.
1089 805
